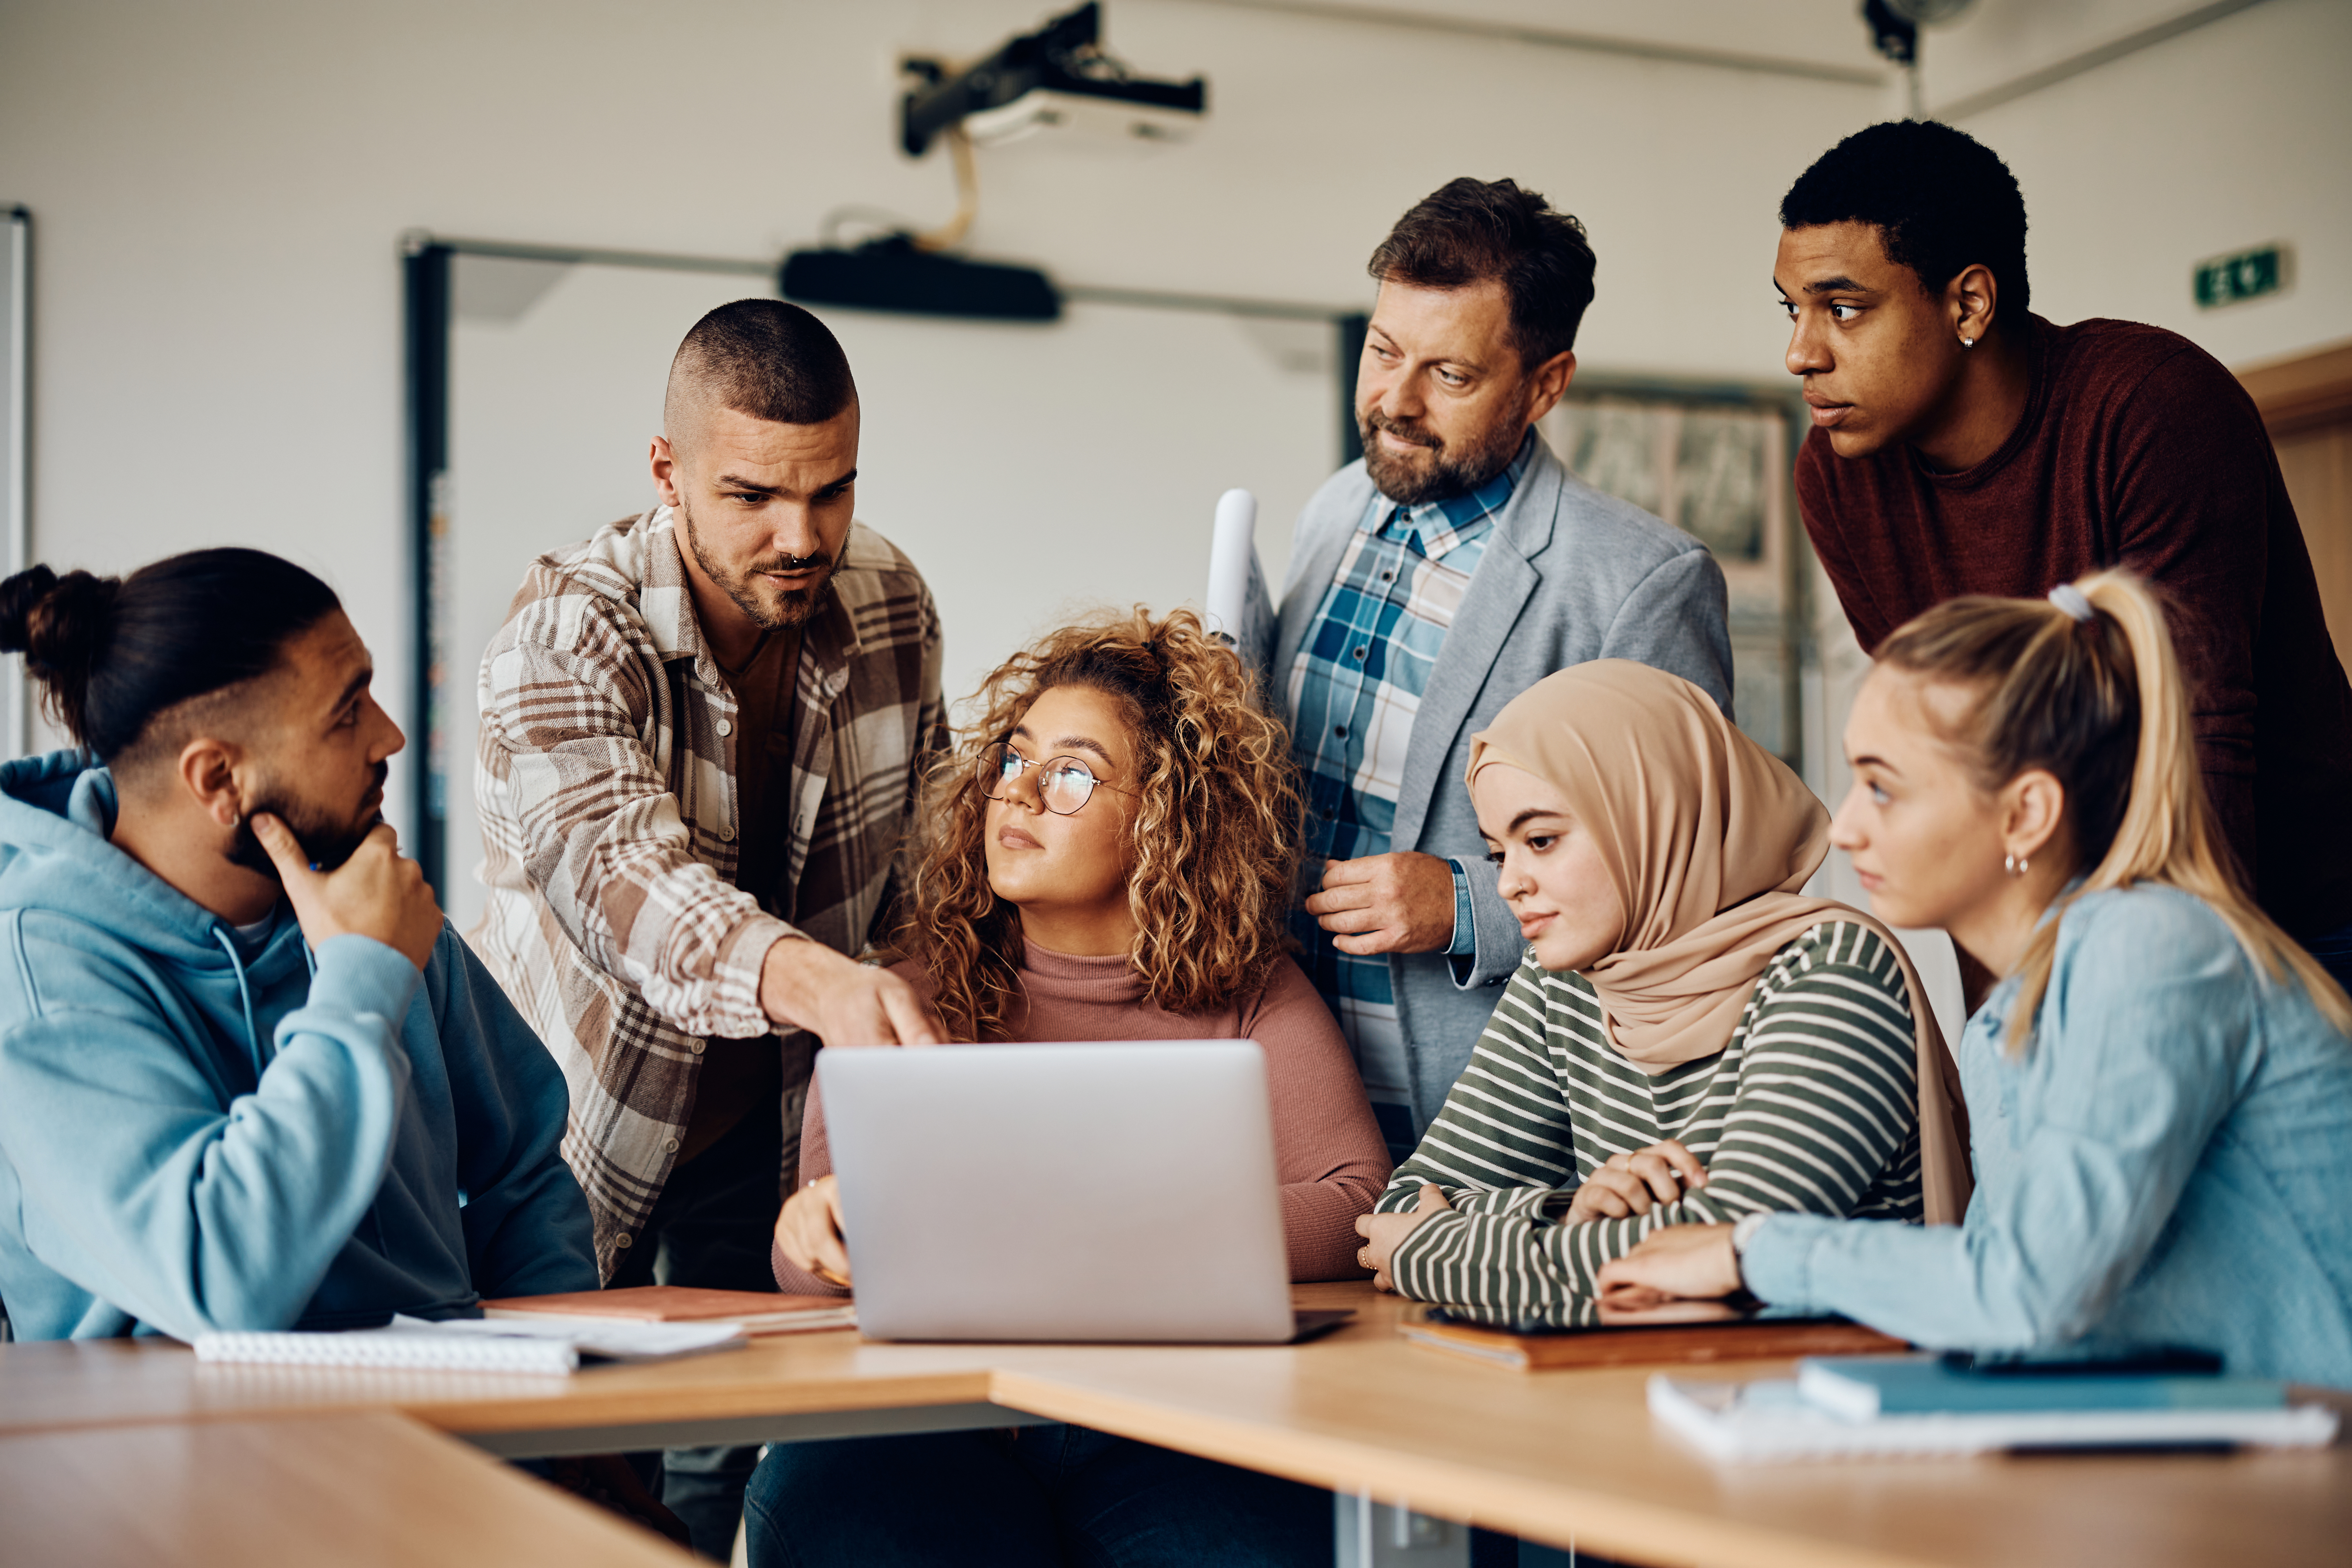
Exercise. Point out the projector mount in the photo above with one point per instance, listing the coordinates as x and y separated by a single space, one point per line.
1058 75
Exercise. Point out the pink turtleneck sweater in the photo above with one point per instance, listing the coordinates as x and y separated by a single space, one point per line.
1327 1152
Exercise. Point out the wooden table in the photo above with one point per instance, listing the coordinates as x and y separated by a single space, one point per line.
354 1490
1567 1457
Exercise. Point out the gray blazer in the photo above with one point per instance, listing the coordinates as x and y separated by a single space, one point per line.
1569 575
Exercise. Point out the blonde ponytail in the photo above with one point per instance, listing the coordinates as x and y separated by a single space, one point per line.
2102 705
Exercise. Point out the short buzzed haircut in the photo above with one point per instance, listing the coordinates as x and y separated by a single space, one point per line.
761 357
1468 231
1941 200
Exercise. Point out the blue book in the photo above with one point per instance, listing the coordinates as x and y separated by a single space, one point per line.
1864 1388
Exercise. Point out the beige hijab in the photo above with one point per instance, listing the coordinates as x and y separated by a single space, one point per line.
1708 838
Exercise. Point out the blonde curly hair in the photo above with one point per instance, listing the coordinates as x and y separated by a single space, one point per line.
1213 845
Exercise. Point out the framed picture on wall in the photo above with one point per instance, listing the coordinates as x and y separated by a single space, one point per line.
1714 461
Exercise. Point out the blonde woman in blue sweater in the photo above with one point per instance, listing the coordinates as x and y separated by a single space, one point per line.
2159 1087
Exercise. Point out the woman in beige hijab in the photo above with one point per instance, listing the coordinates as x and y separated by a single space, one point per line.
1690 1039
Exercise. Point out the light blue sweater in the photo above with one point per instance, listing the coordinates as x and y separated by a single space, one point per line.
2167 1163
197 1132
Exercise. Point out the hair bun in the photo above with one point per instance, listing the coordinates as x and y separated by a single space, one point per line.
19 596
58 624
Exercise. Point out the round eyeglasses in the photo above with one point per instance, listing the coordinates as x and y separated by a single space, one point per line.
1064 784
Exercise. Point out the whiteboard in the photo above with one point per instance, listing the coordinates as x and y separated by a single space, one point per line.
15 425
1033 472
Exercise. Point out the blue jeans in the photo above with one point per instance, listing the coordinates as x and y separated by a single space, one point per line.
1031 1496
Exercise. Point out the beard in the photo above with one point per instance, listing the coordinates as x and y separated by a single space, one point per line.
771 611
326 841
1446 470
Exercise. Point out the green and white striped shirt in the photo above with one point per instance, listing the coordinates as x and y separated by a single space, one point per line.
1811 1108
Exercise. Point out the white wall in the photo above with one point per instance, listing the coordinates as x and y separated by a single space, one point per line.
2211 143
220 189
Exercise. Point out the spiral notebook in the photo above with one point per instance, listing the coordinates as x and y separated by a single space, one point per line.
473 1344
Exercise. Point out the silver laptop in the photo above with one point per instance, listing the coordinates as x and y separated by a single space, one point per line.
1122 1190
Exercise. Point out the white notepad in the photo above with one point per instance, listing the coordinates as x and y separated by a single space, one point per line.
1769 1419
467 1344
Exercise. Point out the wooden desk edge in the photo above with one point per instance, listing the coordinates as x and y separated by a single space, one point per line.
624 1405
1599 1522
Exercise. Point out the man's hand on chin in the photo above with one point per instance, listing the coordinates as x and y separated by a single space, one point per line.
805 984
1398 902
376 893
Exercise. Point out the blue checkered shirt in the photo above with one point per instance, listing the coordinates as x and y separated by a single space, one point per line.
1353 691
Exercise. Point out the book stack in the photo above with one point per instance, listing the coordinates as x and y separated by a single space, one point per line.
1926 1405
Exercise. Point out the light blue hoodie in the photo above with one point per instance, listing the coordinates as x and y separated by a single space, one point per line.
2169 1162
201 1131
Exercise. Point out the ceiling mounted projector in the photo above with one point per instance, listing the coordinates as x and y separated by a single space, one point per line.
1057 77
894 274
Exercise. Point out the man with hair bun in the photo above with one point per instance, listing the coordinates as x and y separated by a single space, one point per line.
1454 566
1963 445
250 1078
701 734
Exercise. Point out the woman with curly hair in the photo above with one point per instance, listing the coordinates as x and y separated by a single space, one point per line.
1109 856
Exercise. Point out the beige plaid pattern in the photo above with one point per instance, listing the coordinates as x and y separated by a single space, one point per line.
605 781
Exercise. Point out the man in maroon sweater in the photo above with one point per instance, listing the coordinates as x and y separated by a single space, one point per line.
1961 445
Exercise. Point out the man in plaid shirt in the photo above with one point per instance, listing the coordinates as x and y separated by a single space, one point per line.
1453 567
702 730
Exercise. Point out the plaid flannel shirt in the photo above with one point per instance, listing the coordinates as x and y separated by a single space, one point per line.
605 781
1353 691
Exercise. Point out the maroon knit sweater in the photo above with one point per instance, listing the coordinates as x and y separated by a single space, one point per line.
2136 449
1327 1152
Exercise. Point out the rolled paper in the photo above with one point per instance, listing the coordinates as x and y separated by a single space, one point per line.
1232 559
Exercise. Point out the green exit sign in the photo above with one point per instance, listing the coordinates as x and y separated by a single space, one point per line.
2249 275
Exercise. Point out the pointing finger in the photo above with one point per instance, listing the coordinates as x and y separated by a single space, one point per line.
909 1019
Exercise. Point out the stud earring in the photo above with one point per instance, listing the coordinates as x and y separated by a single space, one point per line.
2013 864
1967 343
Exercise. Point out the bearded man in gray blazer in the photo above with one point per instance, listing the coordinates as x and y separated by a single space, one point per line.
1454 566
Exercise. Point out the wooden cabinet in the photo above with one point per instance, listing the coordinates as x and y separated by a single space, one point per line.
2307 404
